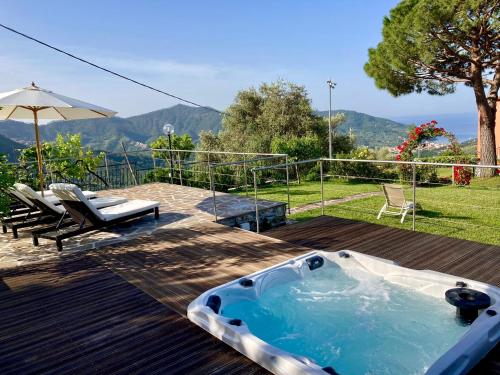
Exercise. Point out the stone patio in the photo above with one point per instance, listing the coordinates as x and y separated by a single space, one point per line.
180 206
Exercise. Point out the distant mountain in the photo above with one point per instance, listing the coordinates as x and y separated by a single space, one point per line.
369 130
9 148
106 134
463 125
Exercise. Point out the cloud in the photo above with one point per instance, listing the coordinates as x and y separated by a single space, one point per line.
146 66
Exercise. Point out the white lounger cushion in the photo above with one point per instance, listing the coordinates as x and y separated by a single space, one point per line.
54 200
126 209
21 197
33 195
45 192
102 202
70 192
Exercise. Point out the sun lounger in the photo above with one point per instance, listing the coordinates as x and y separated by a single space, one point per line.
88 218
395 202
28 213
48 211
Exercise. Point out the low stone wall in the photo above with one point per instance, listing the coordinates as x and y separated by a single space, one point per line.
269 217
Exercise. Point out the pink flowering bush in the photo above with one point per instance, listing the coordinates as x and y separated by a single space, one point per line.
418 135
426 132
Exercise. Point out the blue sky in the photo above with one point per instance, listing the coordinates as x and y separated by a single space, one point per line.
206 51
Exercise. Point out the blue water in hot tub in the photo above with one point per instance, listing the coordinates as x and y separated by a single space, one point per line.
353 321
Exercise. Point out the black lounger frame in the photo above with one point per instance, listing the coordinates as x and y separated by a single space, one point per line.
86 221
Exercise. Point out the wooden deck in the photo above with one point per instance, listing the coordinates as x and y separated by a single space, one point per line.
121 309
415 250
77 317
178 264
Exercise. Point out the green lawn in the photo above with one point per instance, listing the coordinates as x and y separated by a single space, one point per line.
471 213
310 192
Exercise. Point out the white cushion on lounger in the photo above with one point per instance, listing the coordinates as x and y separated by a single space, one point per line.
53 199
21 197
106 201
128 208
70 192
45 192
33 195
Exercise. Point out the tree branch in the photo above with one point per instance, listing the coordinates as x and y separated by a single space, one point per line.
494 86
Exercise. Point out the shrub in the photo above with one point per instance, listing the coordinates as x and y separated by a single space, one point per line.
362 169
7 179
65 160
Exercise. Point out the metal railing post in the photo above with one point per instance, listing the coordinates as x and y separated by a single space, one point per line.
128 163
212 186
257 219
287 184
322 192
154 166
180 167
107 168
245 178
414 169
208 164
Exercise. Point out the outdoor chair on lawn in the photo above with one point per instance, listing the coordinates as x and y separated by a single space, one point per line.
49 209
395 202
87 217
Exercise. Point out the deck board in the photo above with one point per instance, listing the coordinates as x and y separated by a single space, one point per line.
76 316
179 264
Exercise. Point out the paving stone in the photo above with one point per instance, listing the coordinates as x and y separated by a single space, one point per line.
180 206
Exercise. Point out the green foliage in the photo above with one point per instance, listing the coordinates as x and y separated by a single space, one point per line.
7 179
362 169
431 45
64 160
417 136
428 45
448 157
337 119
303 148
342 144
182 142
257 116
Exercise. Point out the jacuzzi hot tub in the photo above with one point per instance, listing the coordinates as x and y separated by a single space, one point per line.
349 313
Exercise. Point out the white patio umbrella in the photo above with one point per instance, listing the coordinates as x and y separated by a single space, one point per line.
38 104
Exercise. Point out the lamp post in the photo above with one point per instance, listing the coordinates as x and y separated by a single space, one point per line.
331 86
168 130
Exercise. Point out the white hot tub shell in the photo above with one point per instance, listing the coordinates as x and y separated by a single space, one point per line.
482 335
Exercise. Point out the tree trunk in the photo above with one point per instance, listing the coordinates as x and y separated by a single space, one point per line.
487 138
486 123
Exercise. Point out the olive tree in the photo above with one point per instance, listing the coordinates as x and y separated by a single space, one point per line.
433 45
275 110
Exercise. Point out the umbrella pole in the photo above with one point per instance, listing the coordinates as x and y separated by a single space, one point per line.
38 152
